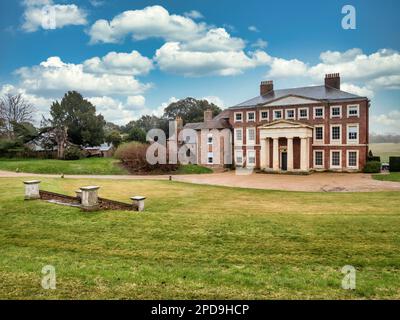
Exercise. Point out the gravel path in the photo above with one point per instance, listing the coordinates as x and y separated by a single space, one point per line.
316 182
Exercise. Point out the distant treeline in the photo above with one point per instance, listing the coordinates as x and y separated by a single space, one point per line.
384 138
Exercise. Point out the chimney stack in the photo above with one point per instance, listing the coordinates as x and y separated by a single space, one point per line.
332 80
208 115
179 122
266 86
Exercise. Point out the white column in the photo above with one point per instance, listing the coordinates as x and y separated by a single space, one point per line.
267 153
263 154
290 154
304 154
275 154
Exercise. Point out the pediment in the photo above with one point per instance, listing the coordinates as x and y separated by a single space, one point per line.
291 100
284 124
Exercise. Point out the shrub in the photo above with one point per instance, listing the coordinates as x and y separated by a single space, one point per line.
374 158
394 164
372 167
73 153
133 156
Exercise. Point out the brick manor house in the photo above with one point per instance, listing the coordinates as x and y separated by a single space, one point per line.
304 129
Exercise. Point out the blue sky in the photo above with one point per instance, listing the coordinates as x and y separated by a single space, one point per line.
133 57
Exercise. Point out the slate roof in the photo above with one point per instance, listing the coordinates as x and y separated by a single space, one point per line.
322 93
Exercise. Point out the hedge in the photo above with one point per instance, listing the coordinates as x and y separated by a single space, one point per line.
394 164
374 158
372 167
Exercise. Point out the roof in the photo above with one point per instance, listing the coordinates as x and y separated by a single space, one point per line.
102 147
322 93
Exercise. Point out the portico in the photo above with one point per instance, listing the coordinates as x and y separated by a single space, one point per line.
285 146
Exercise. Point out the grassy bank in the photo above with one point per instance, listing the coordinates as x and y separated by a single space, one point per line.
197 241
392 176
53 166
97 166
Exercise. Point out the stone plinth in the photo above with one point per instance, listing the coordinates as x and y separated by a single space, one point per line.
32 189
138 203
79 195
89 198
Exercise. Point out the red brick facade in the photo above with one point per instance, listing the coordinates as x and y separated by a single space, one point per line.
327 121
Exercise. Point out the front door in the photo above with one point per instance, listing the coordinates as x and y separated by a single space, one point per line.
284 161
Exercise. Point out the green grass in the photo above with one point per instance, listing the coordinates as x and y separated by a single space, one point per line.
98 166
385 150
53 166
193 169
196 241
392 176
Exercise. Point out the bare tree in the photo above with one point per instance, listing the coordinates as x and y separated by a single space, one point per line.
14 109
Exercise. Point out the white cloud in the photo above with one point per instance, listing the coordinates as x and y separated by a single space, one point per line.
391 121
286 68
154 21
260 43
55 76
171 57
194 14
353 64
47 15
216 100
97 3
363 73
354 89
388 82
119 63
136 101
253 29
215 40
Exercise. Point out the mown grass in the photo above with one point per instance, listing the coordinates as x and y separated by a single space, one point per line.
193 169
53 166
392 176
97 166
197 241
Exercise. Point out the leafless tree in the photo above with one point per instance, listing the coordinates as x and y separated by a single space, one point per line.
14 109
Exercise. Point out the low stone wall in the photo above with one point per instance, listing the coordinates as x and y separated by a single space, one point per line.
103 204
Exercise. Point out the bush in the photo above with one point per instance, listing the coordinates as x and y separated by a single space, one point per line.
73 153
374 158
394 164
372 167
133 156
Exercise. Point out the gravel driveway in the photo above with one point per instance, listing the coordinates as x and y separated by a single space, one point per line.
325 182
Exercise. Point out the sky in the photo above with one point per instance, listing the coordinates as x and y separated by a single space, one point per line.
131 58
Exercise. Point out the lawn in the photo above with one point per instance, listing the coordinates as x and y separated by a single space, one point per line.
392 176
53 166
385 150
96 166
197 241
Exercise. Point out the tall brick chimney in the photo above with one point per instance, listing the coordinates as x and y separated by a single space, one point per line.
179 122
266 86
208 115
332 80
